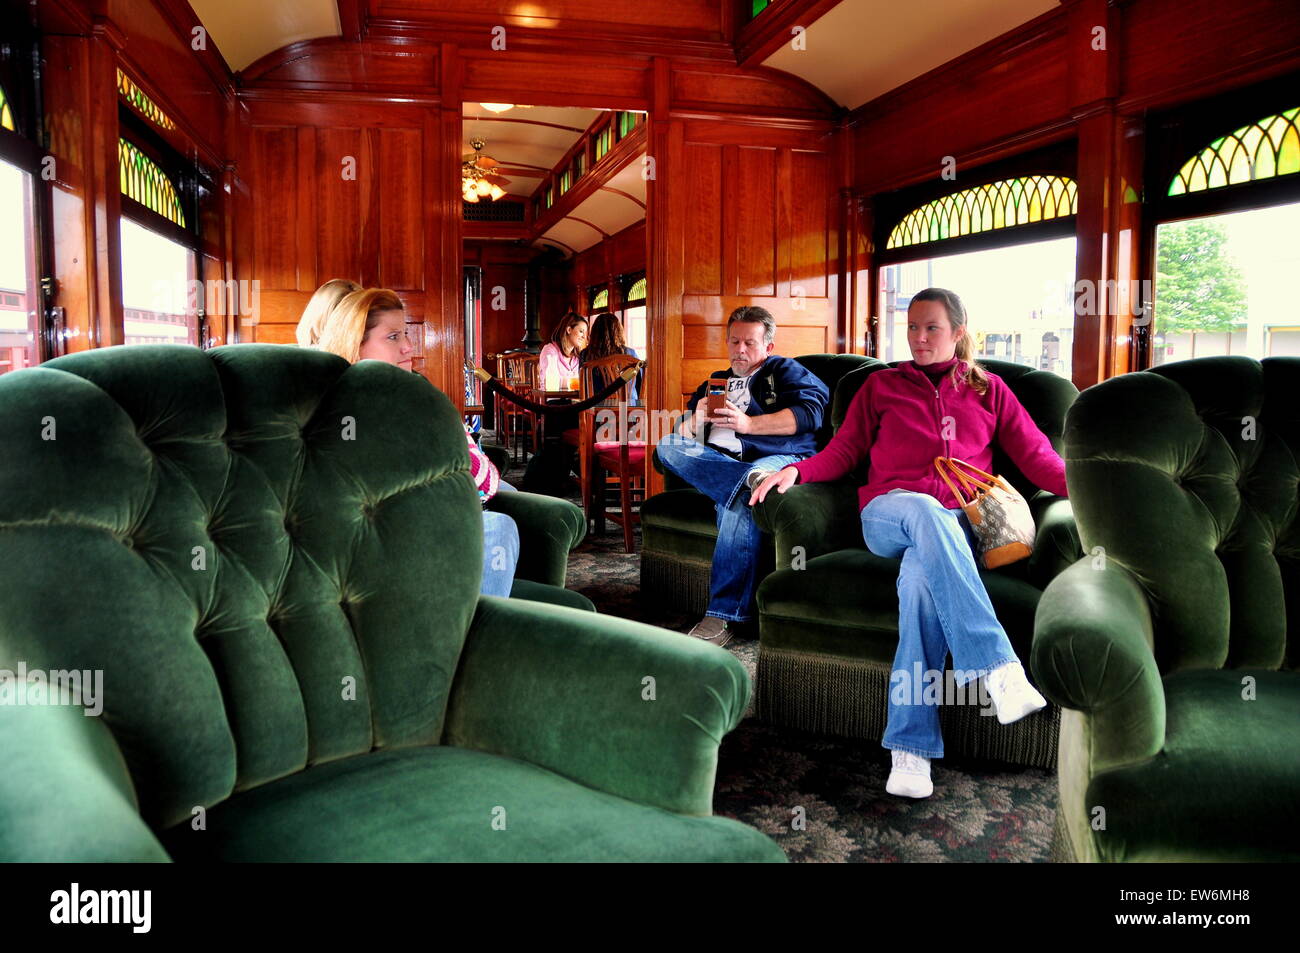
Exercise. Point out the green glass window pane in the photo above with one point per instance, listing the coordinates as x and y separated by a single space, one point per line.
1218 172
1288 156
637 291
143 181
1262 150
1239 164
757 7
6 114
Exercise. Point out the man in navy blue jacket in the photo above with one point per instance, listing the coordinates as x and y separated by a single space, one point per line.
774 407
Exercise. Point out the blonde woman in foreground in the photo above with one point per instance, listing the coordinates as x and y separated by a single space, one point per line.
370 325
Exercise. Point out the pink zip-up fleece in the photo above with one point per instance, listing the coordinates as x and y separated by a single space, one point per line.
898 416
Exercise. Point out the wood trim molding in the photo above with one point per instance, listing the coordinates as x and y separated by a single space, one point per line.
470 35
352 18
760 38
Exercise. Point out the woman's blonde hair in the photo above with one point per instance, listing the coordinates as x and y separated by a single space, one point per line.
319 307
967 371
346 325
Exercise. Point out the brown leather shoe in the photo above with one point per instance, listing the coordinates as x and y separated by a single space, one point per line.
712 630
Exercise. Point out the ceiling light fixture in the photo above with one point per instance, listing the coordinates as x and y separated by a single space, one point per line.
479 177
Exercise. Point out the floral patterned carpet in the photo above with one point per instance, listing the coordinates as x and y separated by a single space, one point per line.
823 798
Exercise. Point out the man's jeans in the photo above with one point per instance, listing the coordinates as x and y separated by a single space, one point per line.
500 554
722 479
942 607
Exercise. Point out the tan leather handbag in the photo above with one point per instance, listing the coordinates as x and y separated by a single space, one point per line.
997 512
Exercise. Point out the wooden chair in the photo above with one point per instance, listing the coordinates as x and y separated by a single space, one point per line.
517 370
620 462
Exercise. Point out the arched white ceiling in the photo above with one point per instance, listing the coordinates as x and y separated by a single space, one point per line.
861 49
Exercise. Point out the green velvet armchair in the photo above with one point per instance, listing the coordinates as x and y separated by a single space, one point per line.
679 527
269 561
828 617
1171 644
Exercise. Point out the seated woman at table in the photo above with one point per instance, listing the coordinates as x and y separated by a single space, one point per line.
606 340
319 307
371 325
557 364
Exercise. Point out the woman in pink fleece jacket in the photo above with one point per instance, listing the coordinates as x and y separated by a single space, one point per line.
938 404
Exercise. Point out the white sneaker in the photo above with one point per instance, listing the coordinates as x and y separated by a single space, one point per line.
910 776
1012 696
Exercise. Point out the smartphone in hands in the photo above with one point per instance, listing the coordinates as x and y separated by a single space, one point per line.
716 395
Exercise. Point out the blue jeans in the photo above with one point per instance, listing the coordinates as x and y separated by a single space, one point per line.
943 607
500 554
735 555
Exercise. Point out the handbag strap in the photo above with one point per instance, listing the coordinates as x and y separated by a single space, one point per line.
989 477
941 464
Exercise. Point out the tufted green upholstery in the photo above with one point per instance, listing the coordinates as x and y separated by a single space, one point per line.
828 616
274 558
679 526
1172 641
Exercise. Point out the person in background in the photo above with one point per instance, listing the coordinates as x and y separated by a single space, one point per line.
557 364
319 307
607 339
370 325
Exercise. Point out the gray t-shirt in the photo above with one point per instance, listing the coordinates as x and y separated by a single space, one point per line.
738 396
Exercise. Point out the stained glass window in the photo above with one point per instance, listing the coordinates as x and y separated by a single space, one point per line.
142 104
143 181
637 291
626 123
564 181
6 114
602 143
1262 150
600 300
1005 204
757 7
579 165
550 195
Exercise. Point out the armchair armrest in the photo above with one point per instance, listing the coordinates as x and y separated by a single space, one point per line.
66 794
820 517
548 529
1092 652
1056 540
567 690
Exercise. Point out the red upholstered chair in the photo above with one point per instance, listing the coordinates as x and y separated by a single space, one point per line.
611 450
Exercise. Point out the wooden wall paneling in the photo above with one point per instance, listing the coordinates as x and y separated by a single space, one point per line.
71 191
702 178
444 337
717 89
1184 50
307 233
812 255
408 68
194 87
273 179
596 80
243 228
753 191
666 253
400 197
104 185
346 206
